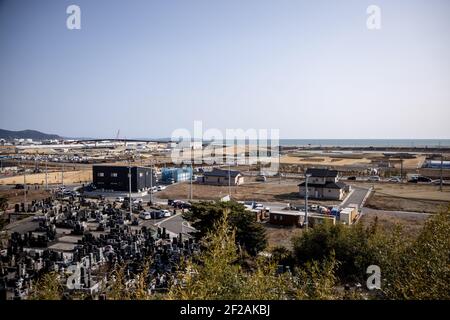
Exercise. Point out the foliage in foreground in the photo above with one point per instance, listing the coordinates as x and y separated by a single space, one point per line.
410 268
249 234
217 275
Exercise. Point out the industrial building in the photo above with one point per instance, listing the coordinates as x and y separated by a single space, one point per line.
323 184
115 178
172 175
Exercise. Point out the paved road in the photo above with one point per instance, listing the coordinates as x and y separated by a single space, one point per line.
356 197
173 224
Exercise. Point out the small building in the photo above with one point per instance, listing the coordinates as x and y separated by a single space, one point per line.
317 218
348 215
169 175
436 164
222 177
115 178
286 218
323 184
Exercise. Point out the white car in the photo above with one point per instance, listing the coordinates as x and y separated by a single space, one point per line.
260 206
166 213
145 215
120 199
137 201
374 178
395 179
160 188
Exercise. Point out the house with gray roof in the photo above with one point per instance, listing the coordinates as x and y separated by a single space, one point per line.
323 184
222 177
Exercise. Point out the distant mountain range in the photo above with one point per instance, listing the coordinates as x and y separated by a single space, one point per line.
27 134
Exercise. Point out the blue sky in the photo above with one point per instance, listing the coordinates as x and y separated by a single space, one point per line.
309 68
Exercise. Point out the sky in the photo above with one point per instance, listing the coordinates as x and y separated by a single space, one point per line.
311 69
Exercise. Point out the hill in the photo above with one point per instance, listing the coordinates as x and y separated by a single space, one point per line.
27 134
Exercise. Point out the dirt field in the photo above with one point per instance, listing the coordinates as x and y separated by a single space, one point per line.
408 197
70 177
347 160
410 223
410 190
270 191
322 160
383 202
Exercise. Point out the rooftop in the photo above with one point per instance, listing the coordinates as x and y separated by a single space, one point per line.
221 173
322 173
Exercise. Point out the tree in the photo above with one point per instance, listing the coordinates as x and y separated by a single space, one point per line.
419 269
317 281
3 207
3 203
250 235
47 287
349 245
215 273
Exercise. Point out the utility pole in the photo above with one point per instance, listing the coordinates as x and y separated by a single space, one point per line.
46 175
279 164
401 170
190 187
62 176
229 180
129 194
24 188
151 182
306 199
442 164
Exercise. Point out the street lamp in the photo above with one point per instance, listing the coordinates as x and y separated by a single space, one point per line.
307 176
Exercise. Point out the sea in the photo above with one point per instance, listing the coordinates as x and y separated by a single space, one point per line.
376 143
392 143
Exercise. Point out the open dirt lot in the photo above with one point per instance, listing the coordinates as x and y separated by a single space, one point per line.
264 191
408 197
348 160
270 191
322 160
410 223
70 177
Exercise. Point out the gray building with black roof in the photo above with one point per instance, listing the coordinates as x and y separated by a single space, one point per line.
115 178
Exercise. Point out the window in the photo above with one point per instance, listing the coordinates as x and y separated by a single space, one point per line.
141 174
114 174
100 174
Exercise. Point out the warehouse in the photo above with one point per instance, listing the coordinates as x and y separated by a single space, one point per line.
115 178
